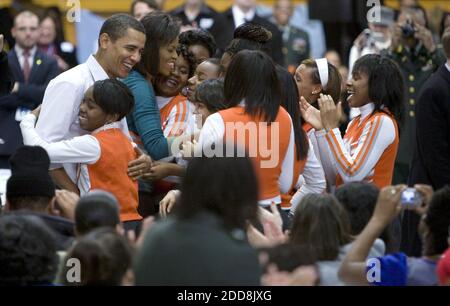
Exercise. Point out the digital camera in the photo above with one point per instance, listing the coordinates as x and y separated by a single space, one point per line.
411 198
408 29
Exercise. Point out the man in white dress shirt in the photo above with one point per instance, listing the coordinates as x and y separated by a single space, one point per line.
121 41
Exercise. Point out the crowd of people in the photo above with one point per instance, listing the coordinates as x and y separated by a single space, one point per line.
204 148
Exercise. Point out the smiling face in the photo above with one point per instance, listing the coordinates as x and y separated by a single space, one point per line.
305 84
204 71
91 116
168 57
358 89
171 86
48 32
120 56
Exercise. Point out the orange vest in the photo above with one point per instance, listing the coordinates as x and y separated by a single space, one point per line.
267 176
384 168
110 171
180 102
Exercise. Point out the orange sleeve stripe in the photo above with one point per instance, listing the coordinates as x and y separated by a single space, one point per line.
359 161
336 157
352 168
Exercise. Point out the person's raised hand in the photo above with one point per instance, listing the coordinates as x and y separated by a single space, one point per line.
388 204
65 204
330 113
427 192
426 37
310 114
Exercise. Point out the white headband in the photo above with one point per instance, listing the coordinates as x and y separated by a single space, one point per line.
322 66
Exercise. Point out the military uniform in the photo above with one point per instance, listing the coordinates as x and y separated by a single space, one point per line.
296 47
416 66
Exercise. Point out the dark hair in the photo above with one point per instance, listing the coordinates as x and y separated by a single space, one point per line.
249 36
333 87
150 3
199 37
160 29
252 76
386 85
210 93
117 25
446 43
424 12
183 51
97 209
290 103
113 97
359 200
27 251
321 222
437 220
231 193
55 15
442 23
33 203
104 255
288 256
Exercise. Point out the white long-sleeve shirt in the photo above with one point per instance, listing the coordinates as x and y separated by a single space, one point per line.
82 150
213 131
312 180
355 159
325 161
58 119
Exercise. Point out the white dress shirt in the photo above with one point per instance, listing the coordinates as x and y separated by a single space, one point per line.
58 119
20 57
84 150
240 17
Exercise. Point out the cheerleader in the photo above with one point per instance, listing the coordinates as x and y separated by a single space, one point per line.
367 151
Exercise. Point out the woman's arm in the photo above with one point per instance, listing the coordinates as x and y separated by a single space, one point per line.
83 149
314 179
377 135
146 117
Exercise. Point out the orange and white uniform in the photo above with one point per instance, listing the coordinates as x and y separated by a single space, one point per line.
102 159
368 150
311 179
177 115
271 147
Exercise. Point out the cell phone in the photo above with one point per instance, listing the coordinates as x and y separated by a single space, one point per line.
411 198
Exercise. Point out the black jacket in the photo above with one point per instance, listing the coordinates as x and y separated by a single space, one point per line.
198 251
205 19
223 30
29 96
5 75
431 159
